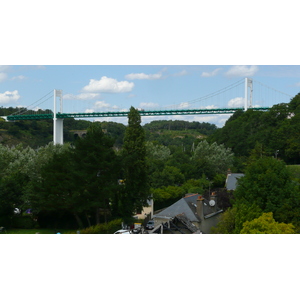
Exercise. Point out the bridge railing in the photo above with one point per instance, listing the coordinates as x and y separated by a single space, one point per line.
125 113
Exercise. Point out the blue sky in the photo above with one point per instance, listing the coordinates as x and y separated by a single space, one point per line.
148 55
91 88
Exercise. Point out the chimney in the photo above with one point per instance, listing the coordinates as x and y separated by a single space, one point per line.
213 196
213 201
200 200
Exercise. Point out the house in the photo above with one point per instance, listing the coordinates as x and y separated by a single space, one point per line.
193 211
146 211
232 180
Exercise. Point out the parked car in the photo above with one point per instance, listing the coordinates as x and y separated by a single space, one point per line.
150 225
123 231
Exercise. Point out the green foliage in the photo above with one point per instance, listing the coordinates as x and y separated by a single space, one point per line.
276 129
168 176
78 179
95 168
295 172
219 180
135 192
245 212
232 220
157 152
212 159
196 185
226 224
267 183
175 125
167 195
105 228
24 222
266 224
5 220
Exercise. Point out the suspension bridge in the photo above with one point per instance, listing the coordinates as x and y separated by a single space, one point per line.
237 96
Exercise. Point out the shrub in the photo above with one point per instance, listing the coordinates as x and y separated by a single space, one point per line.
104 228
25 222
5 221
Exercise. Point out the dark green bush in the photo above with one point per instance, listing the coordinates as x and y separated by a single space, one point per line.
5 221
105 228
24 222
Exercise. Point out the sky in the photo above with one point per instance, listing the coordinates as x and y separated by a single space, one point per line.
154 55
100 88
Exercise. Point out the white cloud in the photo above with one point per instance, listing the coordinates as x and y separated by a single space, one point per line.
211 106
222 120
101 104
182 73
183 105
298 84
4 68
236 102
211 74
82 96
122 120
88 111
148 105
204 118
8 97
133 76
241 71
20 77
108 85
3 76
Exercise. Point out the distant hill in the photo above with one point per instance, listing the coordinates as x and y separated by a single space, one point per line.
38 133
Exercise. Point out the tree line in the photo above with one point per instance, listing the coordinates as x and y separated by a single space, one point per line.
266 146
76 185
112 172
108 174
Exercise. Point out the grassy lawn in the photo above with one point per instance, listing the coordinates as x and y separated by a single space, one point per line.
34 231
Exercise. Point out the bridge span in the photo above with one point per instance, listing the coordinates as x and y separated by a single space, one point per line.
58 115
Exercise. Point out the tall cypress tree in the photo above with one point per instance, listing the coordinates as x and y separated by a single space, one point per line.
136 189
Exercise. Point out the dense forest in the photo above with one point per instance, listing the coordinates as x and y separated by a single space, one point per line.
277 131
165 159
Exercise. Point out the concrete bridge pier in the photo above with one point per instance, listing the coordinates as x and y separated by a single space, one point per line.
58 135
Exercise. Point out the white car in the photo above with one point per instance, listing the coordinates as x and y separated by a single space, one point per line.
150 225
123 231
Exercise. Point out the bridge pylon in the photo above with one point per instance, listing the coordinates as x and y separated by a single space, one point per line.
248 100
58 136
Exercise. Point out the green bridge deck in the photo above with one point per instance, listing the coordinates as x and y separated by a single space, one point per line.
125 113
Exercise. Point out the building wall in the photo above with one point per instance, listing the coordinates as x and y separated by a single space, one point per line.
206 224
146 211
158 221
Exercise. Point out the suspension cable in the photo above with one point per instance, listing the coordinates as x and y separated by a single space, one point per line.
24 109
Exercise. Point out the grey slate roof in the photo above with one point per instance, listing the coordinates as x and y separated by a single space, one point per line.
186 206
231 180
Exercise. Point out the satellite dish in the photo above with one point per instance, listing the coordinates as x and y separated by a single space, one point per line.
212 202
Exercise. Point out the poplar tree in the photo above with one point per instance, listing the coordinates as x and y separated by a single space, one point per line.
135 191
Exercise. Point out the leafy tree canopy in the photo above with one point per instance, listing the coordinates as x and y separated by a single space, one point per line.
266 224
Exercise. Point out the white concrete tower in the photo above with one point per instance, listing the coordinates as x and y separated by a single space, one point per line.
58 136
248 84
